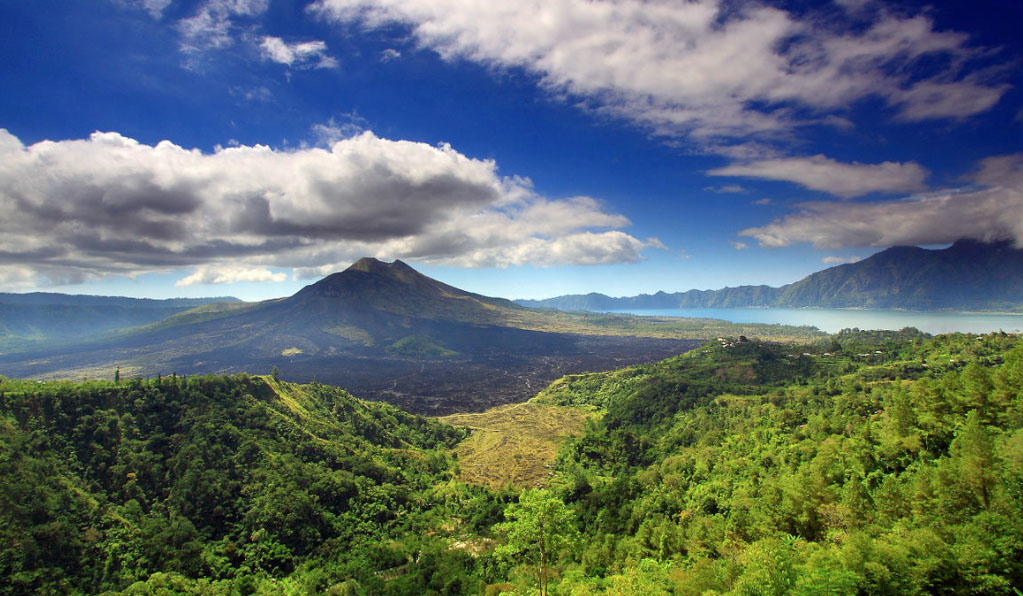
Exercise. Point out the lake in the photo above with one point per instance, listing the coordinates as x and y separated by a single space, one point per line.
834 320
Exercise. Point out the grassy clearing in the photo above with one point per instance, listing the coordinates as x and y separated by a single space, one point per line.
514 444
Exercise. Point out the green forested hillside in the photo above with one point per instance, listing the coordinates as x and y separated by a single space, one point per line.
873 464
220 485
866 463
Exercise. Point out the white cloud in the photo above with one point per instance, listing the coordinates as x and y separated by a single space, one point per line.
253 94
992 209
17 277
111 205
339 128
739 245
1003 171
832 260
306 54
841 179
584 248
389 54
213 24
726 189
228 274
703 68
153 7
930 99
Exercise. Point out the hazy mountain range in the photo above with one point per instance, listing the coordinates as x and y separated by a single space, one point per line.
967 276
387 332
40 318
382 330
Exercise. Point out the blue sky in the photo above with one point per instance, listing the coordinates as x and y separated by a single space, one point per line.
515 148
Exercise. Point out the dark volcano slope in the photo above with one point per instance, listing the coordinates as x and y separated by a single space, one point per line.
383 331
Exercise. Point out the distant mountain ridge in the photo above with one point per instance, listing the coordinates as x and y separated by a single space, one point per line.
37 318
54 298
383 330
968 276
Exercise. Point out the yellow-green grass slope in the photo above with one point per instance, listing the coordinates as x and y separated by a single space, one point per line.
515 445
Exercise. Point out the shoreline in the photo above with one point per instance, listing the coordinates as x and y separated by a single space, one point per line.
825 308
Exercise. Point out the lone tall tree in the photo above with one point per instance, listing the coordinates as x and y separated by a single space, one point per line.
539 527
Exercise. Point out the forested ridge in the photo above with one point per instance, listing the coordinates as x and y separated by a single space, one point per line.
875 463
866 463
218 485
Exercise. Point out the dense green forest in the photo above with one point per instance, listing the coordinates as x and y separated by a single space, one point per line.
865 463
873 463
224 485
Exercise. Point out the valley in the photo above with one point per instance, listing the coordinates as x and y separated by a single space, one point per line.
678 454
498 298
478 381
866 462
388 333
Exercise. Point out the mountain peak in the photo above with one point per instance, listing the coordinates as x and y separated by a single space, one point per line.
397 288
371 265
364 271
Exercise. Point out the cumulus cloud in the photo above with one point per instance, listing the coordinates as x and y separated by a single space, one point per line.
990 209
584 248
229 274
840 179
111 205
306 54
704 68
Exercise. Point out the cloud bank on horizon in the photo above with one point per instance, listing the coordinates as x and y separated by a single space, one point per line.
991 210
749 86
112 205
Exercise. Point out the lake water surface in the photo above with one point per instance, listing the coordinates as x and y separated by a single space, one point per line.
834 320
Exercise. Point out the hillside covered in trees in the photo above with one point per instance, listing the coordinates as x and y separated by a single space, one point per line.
866 463
875 463
217 485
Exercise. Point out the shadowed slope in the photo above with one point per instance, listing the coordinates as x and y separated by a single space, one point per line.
382 330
